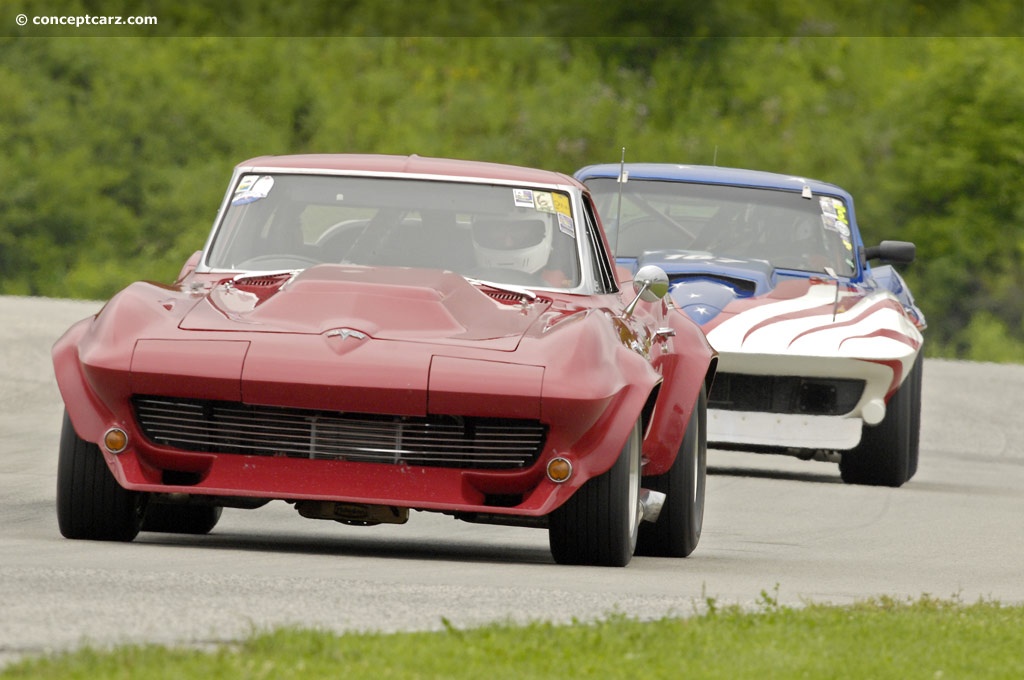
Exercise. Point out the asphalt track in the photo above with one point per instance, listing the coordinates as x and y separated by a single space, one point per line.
775 527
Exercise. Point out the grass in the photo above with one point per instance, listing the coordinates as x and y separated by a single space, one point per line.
877 638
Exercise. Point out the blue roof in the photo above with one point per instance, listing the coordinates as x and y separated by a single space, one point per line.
712 174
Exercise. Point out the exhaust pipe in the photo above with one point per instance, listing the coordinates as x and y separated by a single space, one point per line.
650 504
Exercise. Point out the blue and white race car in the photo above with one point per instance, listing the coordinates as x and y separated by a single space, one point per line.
819 352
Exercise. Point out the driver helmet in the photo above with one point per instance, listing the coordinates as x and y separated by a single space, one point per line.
515 241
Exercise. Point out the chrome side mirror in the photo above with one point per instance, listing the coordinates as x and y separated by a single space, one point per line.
650 283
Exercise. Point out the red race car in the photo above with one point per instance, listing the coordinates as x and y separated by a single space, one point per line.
365 335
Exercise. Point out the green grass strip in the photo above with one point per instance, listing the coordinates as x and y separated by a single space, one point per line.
878 638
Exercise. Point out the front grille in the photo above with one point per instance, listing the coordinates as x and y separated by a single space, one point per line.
433 441
785 394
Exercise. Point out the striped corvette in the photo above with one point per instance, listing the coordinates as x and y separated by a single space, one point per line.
819 351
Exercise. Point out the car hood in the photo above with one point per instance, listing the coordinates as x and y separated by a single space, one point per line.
747 306
702 285
414 305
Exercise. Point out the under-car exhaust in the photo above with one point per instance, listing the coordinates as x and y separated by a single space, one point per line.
651 503
357 514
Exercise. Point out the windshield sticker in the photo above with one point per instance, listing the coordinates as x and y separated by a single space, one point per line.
566 225
561 202
835 225
523 198
833 215
544 202
252 188
833 218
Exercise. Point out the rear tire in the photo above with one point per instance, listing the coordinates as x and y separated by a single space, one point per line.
677 531
888 452
915 423
181 519
90 502
599 524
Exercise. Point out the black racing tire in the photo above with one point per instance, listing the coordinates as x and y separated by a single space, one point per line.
677 530
90 503
181 519
915 423
599 524
888 452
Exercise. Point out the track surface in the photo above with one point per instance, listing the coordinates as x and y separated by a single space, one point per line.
774 526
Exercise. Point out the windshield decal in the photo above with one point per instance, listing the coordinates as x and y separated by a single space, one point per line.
834 218
564 211
566 226
544 202
252 188
551 202
523 198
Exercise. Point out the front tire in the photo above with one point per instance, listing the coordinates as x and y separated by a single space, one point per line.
90 503
888 452
677 531
599 524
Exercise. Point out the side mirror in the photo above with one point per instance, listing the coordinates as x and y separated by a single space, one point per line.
650 283
892 252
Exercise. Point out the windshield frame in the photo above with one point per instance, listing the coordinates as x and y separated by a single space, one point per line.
567 218
690 214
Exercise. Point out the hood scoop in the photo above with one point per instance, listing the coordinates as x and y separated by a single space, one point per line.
262 285
506 297
702 284
385 303
702 298
243 293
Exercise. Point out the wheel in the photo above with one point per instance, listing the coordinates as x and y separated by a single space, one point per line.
90 502
677 531
887 453
598 525
915 424
181 519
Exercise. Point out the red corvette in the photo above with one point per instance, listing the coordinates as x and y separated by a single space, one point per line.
362 336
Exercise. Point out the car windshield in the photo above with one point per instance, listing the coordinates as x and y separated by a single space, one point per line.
496 233
779 227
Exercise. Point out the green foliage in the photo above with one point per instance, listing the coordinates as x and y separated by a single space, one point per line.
952 183
117 151
880 638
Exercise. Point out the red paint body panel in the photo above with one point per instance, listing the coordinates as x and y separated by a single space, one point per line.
451 393
212 368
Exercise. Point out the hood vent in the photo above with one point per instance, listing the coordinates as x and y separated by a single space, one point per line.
506 298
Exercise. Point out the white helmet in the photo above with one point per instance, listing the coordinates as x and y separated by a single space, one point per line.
515 241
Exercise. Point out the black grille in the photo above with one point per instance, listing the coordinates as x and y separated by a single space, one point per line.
433 441
785 394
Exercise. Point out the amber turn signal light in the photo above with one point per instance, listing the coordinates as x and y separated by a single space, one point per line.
559 470
115 440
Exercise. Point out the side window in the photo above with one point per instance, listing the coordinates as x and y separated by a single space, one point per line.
603 269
